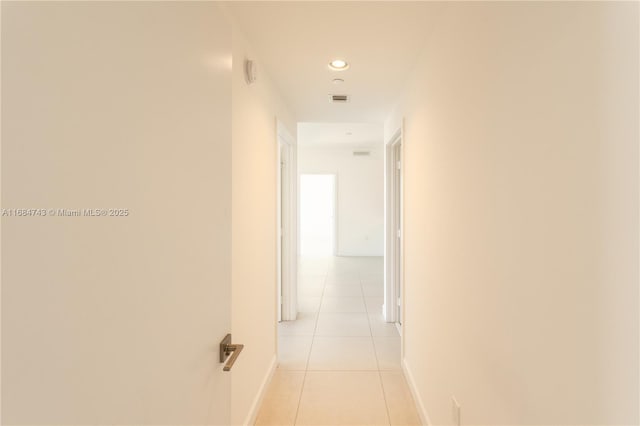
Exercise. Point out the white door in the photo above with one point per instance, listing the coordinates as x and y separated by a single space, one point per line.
122 107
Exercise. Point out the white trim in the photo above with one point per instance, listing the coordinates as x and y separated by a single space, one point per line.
336 249
257 401
422 411
287 244
279 274
284 134
390 308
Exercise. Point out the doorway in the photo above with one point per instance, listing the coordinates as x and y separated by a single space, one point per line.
393 294
317 215
286 265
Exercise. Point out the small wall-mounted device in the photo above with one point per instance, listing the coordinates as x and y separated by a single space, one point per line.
250 71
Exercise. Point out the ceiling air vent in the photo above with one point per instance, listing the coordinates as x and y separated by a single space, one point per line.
339 99
361 153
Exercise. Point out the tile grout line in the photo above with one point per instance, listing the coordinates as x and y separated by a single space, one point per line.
313 338
375 353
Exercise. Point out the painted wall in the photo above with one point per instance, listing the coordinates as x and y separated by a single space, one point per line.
521 214
116 320
360 183
254 162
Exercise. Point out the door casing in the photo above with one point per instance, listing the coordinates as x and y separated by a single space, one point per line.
286 226
394 232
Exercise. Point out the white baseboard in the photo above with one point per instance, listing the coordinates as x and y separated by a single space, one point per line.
422 411
257 401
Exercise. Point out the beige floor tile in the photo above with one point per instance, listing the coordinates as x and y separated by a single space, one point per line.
342 281
372 261
387 352
374 304
310 290
309 304
373 289
293 352
303 326
402 408
280 402
342 353
334 290
372 276
347 276
342 324
311 280
381 328
346 367
372 279
318 270
342 398
314 265
342 304
344 264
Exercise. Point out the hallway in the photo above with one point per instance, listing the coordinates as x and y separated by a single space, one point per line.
154 159
339 363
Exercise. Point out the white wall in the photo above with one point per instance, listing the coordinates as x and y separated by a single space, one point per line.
115 320
521 214
254 161
360 188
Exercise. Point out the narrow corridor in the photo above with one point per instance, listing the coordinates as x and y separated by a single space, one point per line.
339 363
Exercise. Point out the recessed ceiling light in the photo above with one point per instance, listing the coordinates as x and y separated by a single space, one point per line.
338 81
338 65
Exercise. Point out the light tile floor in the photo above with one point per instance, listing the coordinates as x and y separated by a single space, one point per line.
339 363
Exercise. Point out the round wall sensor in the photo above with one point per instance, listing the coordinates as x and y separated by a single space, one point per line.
250 71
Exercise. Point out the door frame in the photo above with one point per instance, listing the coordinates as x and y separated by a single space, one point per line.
286 225
394 230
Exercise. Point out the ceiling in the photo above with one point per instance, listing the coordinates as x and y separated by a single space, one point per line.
296 40
350 134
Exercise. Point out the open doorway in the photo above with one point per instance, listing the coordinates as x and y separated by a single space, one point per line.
341 181
317 215
341 266
393 295
286 265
